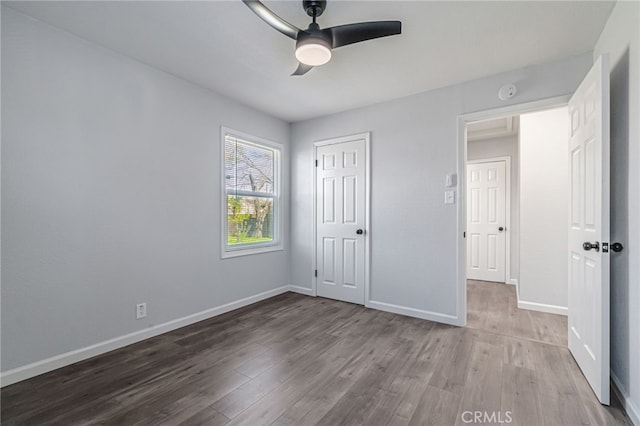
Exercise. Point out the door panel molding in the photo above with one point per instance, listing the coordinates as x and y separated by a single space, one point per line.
347 161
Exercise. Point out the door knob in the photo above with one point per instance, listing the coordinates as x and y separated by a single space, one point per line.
617 247
501 229
588 246
359 232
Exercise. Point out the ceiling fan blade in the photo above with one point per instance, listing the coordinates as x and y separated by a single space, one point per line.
343 35
302 69
272 19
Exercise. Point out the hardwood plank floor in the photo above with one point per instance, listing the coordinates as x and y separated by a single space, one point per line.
298 360
493 307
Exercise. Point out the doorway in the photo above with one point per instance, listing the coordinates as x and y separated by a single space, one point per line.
515 160
341 230
587 218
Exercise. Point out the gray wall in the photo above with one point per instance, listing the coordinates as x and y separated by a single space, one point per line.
621 39
504 147
111 195
414 145
544 191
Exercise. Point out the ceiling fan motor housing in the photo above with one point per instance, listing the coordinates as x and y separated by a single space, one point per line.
313 34
314 7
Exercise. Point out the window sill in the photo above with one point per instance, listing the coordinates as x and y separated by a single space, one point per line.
251 250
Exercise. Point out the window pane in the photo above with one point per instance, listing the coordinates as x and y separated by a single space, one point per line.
248 167
249 219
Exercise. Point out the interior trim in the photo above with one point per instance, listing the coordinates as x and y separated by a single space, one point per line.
413 312
543 307
28 371
632 410
301 290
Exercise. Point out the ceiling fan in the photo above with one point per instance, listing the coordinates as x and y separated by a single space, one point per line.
313 45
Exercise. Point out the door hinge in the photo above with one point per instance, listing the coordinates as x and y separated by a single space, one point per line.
315 273
464 235
316 163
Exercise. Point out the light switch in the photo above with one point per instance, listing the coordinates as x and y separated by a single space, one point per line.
450 180
449 197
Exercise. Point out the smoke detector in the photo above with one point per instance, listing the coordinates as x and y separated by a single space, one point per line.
507 92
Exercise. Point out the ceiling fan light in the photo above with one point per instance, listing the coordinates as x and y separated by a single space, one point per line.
313 53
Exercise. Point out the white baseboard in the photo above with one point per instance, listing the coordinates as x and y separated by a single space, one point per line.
40 367
512 281
633 412
395 309
413 312
302 290
542 307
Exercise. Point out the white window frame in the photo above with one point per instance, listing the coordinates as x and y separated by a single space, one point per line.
252 248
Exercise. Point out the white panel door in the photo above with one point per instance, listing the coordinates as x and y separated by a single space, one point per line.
486 218
589 228
340 221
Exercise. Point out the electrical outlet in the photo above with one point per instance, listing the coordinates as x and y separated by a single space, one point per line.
449 197
141 310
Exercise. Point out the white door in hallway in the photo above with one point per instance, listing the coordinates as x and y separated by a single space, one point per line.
341 213
486 219
589 228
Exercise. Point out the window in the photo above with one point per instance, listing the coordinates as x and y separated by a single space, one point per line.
251 197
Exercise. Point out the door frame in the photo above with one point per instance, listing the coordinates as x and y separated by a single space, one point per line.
367 205
463 120
507 210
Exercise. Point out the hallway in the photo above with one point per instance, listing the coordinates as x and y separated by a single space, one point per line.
493 307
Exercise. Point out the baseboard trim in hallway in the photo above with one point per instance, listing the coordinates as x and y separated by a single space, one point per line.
542 307
633 412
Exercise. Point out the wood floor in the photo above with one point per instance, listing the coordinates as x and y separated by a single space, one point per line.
494 307
298 360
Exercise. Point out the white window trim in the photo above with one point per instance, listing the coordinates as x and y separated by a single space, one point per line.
256 248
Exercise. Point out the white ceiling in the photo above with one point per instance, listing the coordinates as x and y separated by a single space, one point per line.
223 46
